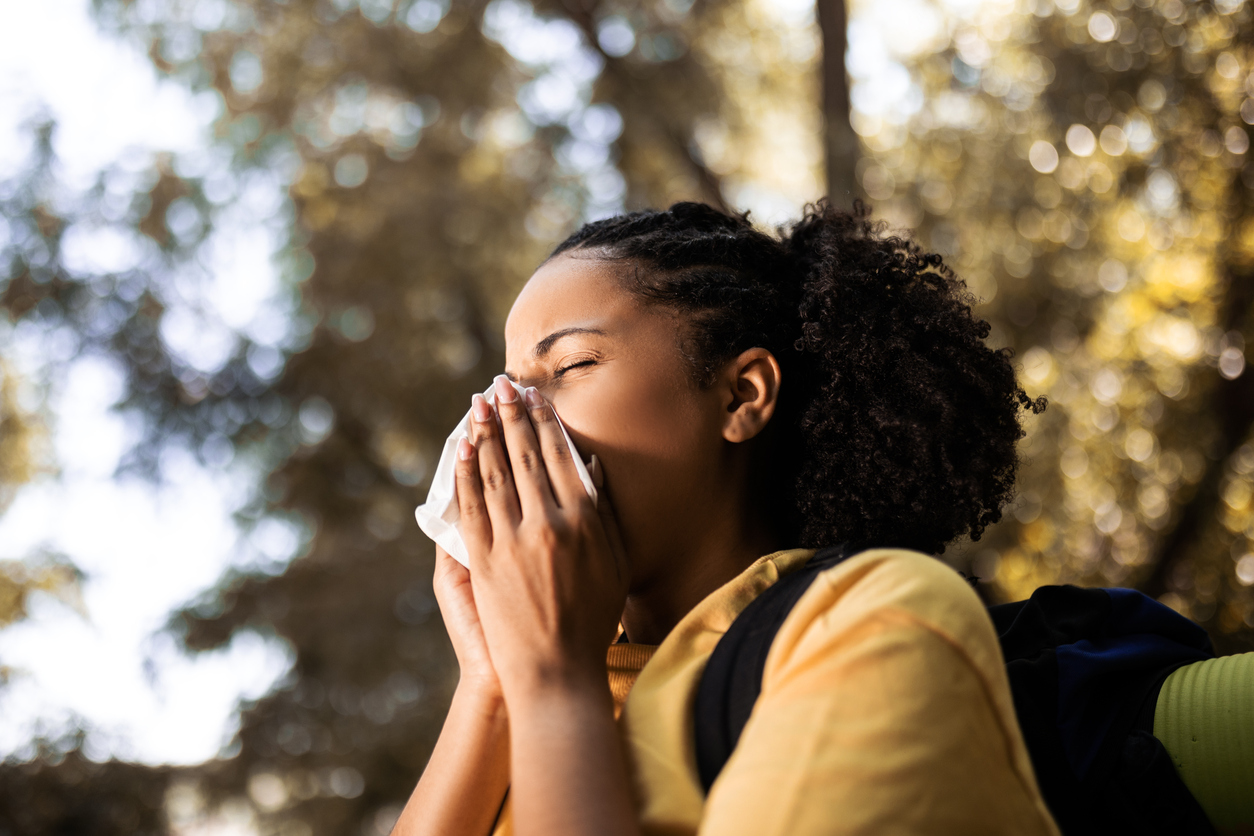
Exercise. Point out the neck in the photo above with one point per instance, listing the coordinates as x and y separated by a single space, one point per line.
725 551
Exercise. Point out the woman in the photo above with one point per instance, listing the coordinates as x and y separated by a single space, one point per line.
750 399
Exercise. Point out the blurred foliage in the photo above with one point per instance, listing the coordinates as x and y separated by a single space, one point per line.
51 574
22 440
62 793
1083 165
1086 168
23 456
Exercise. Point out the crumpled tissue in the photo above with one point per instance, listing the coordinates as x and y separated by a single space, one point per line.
438 516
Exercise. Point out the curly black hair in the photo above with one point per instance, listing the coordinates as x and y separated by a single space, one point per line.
896 424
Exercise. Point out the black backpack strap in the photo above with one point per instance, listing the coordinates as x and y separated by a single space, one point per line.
733 675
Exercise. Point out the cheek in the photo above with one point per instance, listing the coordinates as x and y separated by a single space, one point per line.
656 448
631 417
659 446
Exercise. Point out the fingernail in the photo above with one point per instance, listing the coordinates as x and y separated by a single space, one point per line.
464 450
479 406
533 397
505 391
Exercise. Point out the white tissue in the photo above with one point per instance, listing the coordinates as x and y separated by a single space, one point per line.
438 516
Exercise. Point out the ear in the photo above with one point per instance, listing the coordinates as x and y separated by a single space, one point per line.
750 393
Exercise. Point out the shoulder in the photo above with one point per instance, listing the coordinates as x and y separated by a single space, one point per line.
900 591
902 579
885 685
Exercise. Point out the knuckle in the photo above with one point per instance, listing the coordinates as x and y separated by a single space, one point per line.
559 450
548 534
553 535
511 411
549 537
530 461
495 479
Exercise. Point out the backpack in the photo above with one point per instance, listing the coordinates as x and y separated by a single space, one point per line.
1085 668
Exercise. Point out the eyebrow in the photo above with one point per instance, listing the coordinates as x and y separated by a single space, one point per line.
546 345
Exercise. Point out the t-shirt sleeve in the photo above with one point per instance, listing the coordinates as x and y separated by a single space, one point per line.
879 724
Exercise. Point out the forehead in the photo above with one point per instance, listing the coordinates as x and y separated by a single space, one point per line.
568 291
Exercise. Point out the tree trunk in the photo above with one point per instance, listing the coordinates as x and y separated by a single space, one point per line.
840 142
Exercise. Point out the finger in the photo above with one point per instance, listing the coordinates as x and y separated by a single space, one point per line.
531 480
473 520
494 472
559 461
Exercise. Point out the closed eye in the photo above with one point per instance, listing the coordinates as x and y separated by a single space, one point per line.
564 369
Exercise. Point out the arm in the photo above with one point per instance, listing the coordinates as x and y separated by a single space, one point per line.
569 767
465 780
550 578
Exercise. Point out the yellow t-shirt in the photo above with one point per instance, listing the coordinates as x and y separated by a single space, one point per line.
885 709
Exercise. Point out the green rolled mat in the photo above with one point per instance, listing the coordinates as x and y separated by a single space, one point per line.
1205 719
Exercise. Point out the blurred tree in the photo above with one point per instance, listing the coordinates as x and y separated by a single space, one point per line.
64 793
22 457
21 437
19 579
1085 167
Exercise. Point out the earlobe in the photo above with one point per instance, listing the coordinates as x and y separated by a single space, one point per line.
752 381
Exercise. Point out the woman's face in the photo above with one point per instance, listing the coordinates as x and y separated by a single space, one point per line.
612 367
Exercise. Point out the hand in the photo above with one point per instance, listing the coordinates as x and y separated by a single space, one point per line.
456 597
547 567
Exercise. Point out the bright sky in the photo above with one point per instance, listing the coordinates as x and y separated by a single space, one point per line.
144 551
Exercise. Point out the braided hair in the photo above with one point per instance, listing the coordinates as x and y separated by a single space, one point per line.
896 424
